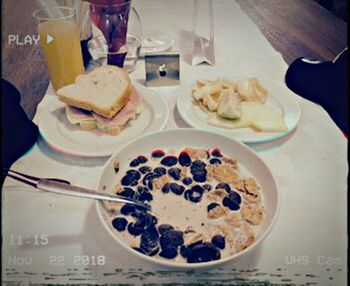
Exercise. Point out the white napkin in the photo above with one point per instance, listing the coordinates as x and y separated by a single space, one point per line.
203 33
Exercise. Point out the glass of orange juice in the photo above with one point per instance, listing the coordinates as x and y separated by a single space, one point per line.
60 41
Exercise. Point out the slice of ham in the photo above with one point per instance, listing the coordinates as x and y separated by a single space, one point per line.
129 111
77 115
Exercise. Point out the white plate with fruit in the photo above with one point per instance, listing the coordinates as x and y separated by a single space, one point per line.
246 109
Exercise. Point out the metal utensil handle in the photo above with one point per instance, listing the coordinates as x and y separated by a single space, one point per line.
64 189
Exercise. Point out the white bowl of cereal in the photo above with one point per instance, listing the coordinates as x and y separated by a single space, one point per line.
212 198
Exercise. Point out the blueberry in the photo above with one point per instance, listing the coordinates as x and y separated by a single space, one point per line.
134 183
212 206
134 163
168 252
187 181
142 189
127 180
235 197
149 240
188 195
177 189
150 236
142 223
214 161
134 229
219 241
150 184
145 197
128 193
169 161
145 169
147 180
134 174
146 220
142 159
127 209
163 228
232 205
165 242
216 152
198 242
158 153
171 237
207 187
224 186
160 170
197 165
139 212
198 189
131 177
203 252
194 194
175 173
152 220
198 171
139 250
166 188
119 223
153 252
139 160
150 252
200 178
185 251
185 159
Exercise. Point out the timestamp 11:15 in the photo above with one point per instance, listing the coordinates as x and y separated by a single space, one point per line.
36 239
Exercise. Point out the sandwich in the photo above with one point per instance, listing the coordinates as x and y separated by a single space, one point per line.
103 99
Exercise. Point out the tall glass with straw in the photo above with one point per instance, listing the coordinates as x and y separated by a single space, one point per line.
111 18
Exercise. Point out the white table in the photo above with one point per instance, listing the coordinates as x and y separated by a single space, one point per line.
308 242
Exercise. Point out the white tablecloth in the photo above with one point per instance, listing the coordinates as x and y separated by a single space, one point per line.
308 242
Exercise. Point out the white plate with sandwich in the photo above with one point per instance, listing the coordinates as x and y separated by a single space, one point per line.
245 109
100 112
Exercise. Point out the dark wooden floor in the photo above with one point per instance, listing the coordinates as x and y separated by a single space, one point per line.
294 27
24 66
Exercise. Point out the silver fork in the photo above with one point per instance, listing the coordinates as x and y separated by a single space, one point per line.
63 187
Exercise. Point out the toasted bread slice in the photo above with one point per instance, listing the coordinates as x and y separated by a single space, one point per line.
104 91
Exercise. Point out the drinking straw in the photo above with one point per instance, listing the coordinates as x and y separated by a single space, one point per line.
52 13
83 18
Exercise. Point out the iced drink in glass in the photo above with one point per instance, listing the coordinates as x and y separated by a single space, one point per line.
60 41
